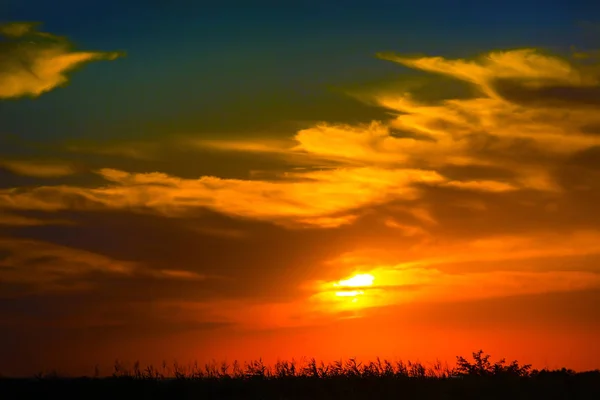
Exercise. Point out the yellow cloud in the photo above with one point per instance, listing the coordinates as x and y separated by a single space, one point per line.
487 186
486 130
372 164
259 146
313 197
36 62
324 198
529 65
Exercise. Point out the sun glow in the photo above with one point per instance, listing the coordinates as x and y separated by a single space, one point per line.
351 287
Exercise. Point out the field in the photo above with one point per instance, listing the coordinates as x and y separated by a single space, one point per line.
380 379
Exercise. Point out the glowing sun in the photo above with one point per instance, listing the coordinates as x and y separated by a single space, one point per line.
352 287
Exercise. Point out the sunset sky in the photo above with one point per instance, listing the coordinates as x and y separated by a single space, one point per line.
409 180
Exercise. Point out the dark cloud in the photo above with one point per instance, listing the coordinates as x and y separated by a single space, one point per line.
235 251
592 129
588 158
547 96
474 172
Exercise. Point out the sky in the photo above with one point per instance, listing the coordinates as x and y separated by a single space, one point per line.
409 180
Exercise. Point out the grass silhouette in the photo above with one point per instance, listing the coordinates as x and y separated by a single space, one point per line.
350 379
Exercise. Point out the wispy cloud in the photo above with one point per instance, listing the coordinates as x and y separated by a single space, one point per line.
38 169
499 140
430 285
529 110
20 220
310 197
34 62
466 271
45 266
260 146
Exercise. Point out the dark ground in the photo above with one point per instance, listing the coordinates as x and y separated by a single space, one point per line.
546 385
477 380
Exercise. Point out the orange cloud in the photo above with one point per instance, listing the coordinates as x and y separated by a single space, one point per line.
392 286
490 248
35 62
325 198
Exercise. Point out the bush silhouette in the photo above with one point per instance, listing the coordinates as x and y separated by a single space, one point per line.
483 367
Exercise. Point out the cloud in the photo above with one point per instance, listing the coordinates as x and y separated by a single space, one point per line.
528 113
47 267
34 262
17 29
312 197
179 274
363 143
529 110
490 142
20 220
448 253
34 62
520 90
260 146
491 186
527 66
38 169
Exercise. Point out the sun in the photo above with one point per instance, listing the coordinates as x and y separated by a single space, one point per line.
359 280
354 286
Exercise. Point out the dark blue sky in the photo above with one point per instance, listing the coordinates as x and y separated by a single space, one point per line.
190 65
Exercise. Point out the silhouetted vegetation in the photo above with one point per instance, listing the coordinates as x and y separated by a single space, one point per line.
350 379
